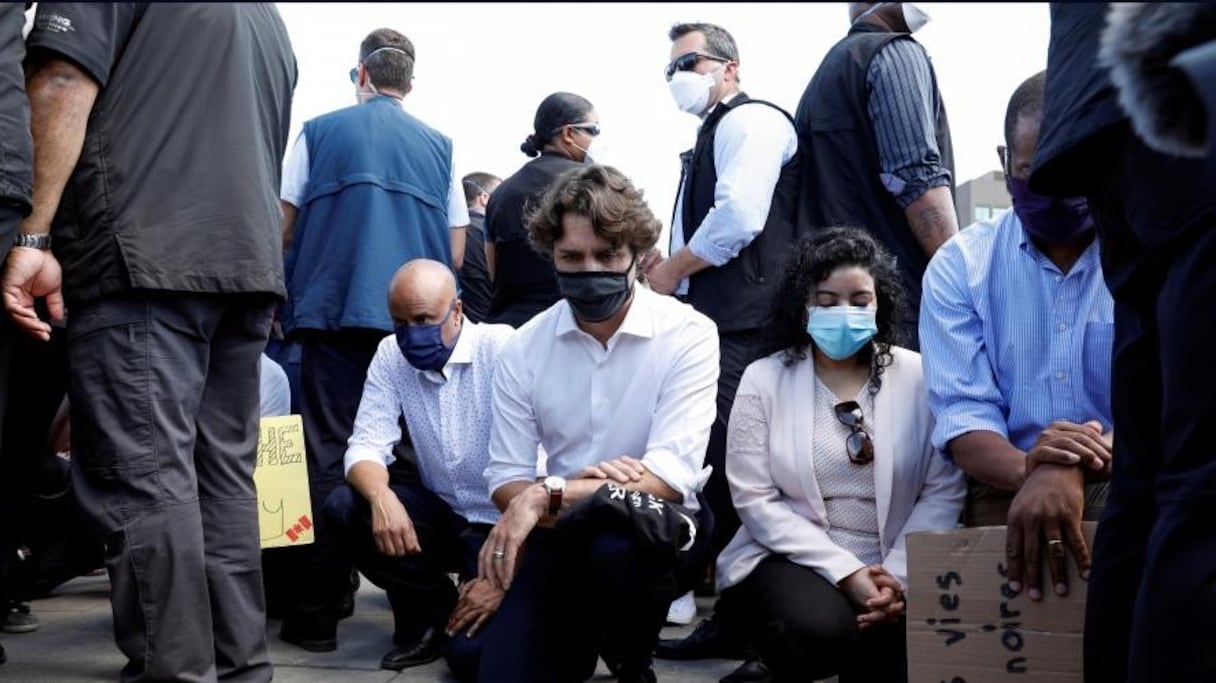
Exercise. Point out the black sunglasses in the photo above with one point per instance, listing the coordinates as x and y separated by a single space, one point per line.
688 62
592 129
858 446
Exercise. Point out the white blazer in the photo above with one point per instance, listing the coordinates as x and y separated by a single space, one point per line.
774 488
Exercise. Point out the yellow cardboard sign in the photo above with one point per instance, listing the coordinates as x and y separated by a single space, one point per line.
281 477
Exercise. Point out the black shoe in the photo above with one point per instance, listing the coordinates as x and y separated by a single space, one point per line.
425 651
347 607
751 671
646 676
707 641
311 639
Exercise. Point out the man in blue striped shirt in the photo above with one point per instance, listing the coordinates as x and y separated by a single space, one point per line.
1016 335
874 144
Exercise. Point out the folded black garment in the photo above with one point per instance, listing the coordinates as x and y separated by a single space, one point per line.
662 529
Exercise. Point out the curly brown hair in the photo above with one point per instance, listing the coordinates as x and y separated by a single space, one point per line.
617 211
811 261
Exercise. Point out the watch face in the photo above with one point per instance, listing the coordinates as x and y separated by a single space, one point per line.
555 483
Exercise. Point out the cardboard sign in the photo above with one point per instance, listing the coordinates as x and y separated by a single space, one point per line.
966 626
281 476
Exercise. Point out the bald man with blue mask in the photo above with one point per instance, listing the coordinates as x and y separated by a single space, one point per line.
346 171
435 372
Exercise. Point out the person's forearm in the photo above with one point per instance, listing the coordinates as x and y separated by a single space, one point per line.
684 263
503 495
457 238
990 458
932 218
290 212
369 478
61 97
491 259
578 489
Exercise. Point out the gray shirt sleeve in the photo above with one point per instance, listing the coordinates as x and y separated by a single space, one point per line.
902 110
16 146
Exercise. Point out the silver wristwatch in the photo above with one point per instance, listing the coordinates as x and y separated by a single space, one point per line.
556 488
40 241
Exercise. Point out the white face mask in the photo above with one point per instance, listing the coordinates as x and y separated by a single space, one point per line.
914 17
691 90
596 152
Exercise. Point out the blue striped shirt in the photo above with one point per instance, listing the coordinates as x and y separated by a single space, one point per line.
902 110
1010 343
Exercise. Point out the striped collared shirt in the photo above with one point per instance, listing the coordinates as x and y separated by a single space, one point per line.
1009 342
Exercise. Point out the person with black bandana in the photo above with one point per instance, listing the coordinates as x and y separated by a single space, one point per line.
618 385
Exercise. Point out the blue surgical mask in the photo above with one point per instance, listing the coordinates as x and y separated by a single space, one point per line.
841 331
422 345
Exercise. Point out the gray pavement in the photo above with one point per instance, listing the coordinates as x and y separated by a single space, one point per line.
74 644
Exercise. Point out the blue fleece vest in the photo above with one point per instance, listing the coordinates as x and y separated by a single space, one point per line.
377 197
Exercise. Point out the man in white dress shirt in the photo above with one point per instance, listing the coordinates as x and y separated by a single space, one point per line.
405 535
617 383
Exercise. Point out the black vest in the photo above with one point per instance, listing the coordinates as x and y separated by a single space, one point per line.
738 295
840 157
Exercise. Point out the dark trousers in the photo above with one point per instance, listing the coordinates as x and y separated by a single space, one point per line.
574 589
9 509
1152 592
33 384
164 394
333 368
805 628
418 587
738 350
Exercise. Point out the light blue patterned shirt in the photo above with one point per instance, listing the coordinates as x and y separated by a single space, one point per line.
1010 343
448 416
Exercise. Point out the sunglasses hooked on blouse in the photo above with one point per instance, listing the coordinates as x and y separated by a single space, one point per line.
688 62
858 445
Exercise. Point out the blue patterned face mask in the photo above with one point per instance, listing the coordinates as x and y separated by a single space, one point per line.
422 345
841 331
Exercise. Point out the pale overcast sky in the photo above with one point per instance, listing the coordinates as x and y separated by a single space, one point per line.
482 69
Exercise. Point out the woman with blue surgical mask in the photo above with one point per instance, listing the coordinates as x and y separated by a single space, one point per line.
830 464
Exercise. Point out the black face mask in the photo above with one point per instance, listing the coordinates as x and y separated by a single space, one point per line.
595 296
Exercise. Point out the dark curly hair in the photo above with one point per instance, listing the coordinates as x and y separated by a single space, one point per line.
812 261
618 212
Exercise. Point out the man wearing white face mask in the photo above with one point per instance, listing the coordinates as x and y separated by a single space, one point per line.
733 220
876 143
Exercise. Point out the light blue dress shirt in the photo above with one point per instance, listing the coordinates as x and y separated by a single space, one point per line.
1009 342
